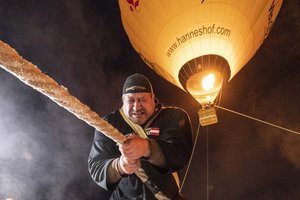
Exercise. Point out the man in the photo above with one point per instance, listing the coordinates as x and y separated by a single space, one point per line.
159 140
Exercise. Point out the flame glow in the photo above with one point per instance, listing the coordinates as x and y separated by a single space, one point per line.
208 82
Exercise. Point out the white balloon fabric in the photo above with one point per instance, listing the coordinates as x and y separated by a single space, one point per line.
185 40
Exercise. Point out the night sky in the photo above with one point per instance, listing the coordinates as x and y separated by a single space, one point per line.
82 45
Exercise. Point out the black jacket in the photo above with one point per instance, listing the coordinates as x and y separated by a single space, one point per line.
174 139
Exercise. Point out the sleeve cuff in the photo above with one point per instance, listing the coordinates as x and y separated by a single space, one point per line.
113 174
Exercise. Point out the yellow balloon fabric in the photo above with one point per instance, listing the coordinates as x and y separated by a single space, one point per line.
185 40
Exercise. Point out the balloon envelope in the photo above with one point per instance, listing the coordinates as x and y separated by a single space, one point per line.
186 40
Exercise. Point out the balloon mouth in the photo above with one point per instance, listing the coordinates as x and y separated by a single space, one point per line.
204 76
205 86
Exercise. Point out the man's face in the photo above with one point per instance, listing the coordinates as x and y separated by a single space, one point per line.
138 107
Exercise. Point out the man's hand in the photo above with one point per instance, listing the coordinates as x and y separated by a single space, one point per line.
127 165
135 147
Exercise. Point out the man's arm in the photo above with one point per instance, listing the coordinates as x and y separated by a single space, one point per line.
102 161
175 139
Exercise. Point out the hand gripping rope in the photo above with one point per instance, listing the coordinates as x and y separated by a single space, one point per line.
31 75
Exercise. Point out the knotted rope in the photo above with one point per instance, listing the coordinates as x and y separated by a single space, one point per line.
31 75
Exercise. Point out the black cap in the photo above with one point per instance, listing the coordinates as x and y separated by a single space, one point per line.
137 83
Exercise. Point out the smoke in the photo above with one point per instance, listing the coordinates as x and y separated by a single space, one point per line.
280 98
285 113
43 148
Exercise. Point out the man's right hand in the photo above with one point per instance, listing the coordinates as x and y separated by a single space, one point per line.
135 147
128 166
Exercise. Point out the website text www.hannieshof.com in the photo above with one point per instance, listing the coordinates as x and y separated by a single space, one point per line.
196 33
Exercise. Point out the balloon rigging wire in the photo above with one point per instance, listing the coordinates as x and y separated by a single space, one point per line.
194 147
207 164
259 120
191 157
217 105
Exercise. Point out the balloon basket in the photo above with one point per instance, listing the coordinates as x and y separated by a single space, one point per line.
207 115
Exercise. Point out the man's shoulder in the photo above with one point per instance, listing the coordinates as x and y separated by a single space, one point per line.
173 109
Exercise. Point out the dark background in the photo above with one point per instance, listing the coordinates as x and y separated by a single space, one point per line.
82 45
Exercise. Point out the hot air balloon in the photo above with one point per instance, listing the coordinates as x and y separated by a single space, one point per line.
198 45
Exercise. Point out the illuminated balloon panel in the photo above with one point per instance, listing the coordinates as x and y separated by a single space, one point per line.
185 40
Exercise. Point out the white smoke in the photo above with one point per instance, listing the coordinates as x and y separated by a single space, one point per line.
42 150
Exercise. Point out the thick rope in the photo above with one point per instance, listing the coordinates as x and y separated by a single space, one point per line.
31 75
